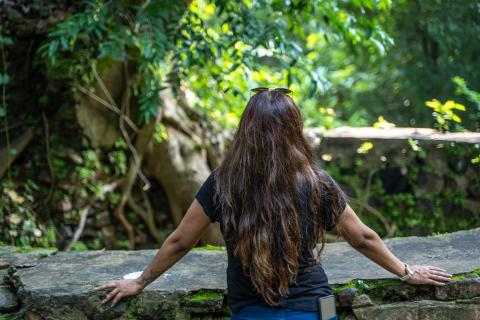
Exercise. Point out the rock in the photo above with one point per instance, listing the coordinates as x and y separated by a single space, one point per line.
346 297
4 265
32 316
196 286
419 310
461 289
398 292
362 300
8 300
205 303
19 257
456 252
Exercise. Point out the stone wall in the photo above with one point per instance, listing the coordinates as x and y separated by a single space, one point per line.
405 181
49 285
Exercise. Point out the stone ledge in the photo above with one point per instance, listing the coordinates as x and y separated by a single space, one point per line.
397 133
59 285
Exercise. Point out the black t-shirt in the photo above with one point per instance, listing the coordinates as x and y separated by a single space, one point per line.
311 282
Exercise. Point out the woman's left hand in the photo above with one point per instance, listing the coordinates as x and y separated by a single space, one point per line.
120 289
429 275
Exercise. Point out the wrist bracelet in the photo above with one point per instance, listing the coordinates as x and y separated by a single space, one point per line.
408 273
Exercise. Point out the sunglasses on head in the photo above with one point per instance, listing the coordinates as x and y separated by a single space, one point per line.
281 90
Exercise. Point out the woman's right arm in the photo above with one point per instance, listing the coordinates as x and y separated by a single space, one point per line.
369 243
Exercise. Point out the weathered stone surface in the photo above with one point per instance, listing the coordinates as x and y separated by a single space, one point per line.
422 170
362 300
61 286
424 310
456 252
8 300
346 297
19 258
462 289
400 134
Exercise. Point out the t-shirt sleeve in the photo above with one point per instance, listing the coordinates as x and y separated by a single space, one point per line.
332 192
205 197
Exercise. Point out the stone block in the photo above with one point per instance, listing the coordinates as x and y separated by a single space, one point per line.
419 310
60 286
345 297
8 300
461 289
362 300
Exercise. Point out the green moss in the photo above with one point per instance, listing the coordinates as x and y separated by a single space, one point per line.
362 285
376 289
204 295
30 249
210 247
10 317
462 276
463 301
2 244
133 306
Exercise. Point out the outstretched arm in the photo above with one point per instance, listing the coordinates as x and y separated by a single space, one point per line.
368 242
178 243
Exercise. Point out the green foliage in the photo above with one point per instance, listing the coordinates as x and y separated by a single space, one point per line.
214 47
444 113
472 96
22 225
432 44
79 246
406 190
205 295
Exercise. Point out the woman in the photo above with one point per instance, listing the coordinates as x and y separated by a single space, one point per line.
274 205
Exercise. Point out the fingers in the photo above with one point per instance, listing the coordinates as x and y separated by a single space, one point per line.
106 286
436 268
439 278
441 274
110 295
117 298
435 283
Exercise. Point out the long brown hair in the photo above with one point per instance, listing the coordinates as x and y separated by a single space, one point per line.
258 186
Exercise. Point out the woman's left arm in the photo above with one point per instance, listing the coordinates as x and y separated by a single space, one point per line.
178 243
368 242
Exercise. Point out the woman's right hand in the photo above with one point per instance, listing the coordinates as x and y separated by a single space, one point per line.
429 275
119 289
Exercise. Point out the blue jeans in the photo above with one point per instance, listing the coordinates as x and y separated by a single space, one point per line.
258 312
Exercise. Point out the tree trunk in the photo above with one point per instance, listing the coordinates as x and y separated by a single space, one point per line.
180 162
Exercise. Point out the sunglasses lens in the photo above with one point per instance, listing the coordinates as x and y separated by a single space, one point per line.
281 90
259 89
284 90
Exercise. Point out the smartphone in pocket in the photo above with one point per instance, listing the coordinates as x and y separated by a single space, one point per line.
326 308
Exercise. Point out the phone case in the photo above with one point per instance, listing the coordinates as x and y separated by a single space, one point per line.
326 308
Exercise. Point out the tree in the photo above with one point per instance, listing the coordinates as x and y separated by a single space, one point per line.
136 70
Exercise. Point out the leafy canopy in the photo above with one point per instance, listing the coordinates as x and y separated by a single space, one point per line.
218 49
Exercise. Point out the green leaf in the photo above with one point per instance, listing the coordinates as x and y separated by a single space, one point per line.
456 118
6 41
233 67
4 79
3 112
